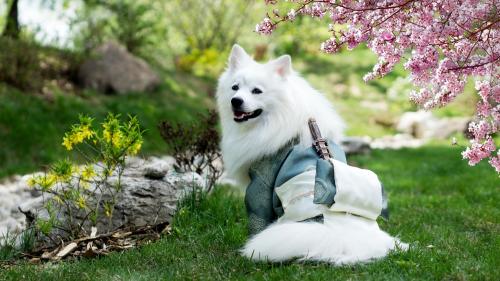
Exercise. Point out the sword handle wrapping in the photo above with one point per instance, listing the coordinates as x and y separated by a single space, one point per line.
319 143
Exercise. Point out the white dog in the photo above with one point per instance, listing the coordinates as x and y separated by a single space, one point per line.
264 108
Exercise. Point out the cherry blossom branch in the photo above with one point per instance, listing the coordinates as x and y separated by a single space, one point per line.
473 66
442 43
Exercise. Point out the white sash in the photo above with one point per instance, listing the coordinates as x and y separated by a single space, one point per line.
296 196
359 192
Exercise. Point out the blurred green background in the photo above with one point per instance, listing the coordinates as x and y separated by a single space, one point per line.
187 43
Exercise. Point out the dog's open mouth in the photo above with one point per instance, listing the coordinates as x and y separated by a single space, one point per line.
241 116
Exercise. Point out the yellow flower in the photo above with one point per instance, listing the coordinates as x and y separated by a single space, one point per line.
88 172
107 135
67 143
82 133
134 149
51 179
86 132
117 139
81 202
32 181
78 135
45 182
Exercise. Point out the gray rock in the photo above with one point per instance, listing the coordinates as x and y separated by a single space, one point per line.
115 70
356 145
157 168
448 126
397 141
146 201
141 201
423 125
13 192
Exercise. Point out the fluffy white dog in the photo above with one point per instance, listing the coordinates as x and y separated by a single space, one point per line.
263 108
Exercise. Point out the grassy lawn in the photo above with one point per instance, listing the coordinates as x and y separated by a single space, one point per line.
32 127
449 212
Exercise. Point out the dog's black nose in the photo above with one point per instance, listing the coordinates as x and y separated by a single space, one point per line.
236 102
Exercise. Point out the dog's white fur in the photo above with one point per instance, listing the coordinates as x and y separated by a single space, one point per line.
288 101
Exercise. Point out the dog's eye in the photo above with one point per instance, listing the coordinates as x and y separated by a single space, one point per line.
256 91
235 87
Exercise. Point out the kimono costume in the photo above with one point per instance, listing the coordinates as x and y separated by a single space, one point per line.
295 184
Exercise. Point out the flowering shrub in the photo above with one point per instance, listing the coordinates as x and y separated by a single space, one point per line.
442 43
76 191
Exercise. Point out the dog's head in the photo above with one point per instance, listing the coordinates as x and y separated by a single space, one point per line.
263 106
249 91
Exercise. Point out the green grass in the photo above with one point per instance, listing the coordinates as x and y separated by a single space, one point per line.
32 127
436 199
13 245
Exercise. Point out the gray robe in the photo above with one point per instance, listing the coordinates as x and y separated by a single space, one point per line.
262 203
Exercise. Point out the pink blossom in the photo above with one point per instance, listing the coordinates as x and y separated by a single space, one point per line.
483 109
265 27
442 43
480 130
478 151
317 10
495 162
386 35
330 46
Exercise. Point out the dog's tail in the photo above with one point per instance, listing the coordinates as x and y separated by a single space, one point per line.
341 239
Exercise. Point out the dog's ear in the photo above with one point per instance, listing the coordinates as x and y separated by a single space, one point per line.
238 57
282 65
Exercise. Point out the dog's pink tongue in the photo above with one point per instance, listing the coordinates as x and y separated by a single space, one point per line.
239 114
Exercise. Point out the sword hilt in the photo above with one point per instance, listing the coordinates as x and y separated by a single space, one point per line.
319 143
